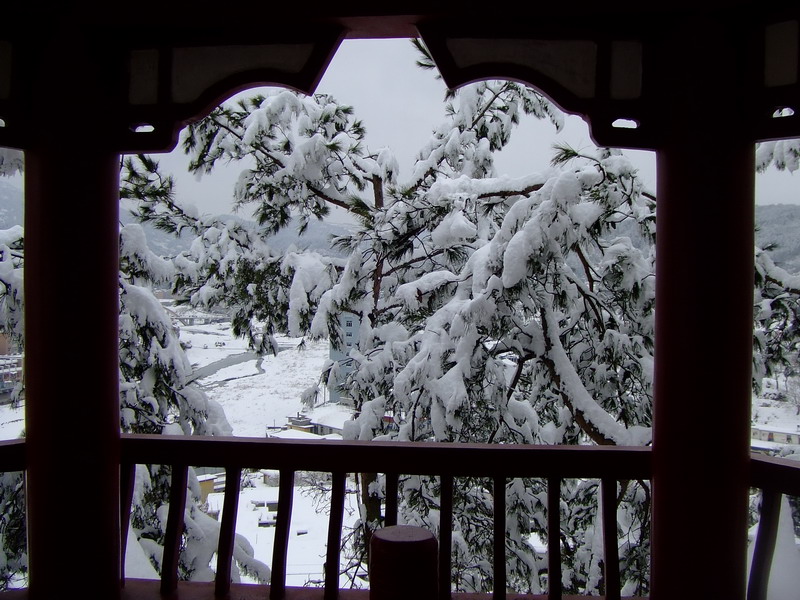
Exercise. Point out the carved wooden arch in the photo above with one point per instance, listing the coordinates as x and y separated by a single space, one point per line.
603 67
573 67
156 81
606 71
190 77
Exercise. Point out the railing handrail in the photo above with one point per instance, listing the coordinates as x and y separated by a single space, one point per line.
499 463
775 473
775 476
12 455
419 458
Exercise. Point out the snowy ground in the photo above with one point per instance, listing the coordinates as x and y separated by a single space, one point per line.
255 394
258 394
308 533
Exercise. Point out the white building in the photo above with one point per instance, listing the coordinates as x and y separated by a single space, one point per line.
343 364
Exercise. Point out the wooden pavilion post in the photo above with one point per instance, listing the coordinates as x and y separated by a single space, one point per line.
71 324
704 286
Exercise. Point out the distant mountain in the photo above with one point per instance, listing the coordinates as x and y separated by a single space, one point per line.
316 237
776 224
160 242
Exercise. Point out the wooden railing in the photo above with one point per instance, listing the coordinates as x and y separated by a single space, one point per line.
447 461
773 476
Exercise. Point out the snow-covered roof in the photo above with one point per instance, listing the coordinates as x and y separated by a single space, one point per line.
777 428
765 445
332 415
294 434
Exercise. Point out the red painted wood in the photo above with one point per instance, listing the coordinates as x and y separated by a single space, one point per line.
773 473
72 399
703 356
445 537
427 458
403 564
280 547
499 493
227 531
390 518
174 530
608 491
13 455
127 482
765 545
333 556
554 585
696 70
138 589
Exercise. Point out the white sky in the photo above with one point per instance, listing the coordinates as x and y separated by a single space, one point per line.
400 104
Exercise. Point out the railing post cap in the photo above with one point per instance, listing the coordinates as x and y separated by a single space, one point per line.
403 534
403 564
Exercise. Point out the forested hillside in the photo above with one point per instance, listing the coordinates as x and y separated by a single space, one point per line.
776 224
317 236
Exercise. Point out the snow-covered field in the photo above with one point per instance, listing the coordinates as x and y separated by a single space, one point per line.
308 533
254 393
257 394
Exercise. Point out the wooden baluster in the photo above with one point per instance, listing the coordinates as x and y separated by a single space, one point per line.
227 531
127 482
553 538
175 525
765 544
608 491
499 538
445 537
281 545
332 558
390 518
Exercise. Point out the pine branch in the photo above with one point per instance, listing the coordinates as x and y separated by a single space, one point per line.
489 104
551 341
426 59
273 158
510 193
563 154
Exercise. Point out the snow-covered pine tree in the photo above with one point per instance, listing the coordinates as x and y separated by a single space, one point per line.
491 309
457 340
11 162
777 300
155 397
13 545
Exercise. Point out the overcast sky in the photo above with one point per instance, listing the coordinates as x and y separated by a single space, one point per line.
400 104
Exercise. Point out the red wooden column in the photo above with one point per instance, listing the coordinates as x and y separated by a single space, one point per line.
71 325
704 285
